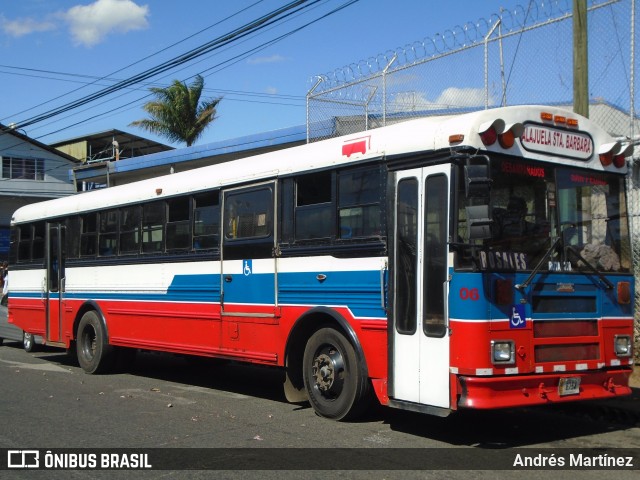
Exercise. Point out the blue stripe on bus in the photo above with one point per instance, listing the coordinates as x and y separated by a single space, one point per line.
470 294
360 291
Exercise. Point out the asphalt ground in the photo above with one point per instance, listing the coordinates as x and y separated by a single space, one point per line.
625 408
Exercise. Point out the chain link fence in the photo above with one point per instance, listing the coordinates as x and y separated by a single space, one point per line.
519 56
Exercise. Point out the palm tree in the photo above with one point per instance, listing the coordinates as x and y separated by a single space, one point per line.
177 113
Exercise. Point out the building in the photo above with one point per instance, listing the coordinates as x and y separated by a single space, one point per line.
103 147
111 171
31 172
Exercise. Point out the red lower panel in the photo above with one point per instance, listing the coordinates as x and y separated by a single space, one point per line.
251 333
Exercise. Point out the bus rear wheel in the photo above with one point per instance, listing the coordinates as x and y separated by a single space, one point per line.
28 342
95 355
335 380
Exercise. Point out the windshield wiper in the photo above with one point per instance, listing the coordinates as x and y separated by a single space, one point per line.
602 278
538 267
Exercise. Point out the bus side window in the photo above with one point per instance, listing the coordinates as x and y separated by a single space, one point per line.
108 234
359 193
249 214
73 237
24 243
88 235
178 223
30 242
37 250
153 227
313 206
130 230
206 221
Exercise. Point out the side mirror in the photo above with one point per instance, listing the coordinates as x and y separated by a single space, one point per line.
477 189
478 222
477 183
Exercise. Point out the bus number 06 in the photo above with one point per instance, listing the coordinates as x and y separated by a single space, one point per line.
469 294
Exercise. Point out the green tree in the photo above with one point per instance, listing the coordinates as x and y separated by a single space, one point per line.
177 113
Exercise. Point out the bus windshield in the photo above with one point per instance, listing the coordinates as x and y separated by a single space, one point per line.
580 215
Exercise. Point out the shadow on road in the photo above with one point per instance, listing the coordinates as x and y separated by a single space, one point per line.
482 429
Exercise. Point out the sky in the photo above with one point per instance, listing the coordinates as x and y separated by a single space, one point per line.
55 52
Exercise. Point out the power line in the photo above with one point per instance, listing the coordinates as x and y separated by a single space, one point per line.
106 77
144 85
228 61
224 64
240 32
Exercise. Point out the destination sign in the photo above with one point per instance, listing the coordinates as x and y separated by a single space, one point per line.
554 141
493 260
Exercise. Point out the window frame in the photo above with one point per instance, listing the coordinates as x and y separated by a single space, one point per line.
31 168
170 235
214 195
326 206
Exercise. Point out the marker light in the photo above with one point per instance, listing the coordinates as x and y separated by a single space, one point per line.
511 132
506 139
607 152
606 159
489 131
560 119
456 138
504 291
622 345
546 116
619 161
489 136
624 293
572 122
502 351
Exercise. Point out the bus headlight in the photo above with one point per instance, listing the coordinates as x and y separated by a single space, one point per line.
502 351
622 345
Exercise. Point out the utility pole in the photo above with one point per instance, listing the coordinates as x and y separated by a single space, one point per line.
580 59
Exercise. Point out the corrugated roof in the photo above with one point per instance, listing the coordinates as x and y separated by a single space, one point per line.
100 145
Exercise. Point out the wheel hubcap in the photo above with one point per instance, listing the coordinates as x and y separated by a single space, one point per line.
328 372
89 343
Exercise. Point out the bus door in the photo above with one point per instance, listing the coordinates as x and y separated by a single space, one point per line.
54 281
419 329
248 271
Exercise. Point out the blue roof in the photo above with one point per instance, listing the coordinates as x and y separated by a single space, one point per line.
235 145
196 152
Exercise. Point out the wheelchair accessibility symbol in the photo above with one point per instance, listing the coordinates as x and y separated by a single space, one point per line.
518 318
246 270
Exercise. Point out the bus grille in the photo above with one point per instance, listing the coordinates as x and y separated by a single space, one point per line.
583 335
565 328
567 352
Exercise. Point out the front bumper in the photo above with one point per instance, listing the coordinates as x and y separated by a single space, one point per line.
528 390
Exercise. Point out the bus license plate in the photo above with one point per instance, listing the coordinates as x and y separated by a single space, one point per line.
569 386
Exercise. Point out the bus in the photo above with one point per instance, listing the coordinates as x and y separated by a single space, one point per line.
473 261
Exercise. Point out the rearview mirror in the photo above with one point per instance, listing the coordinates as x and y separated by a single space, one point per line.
478 222
477 183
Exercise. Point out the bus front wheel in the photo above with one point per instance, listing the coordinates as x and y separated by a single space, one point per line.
95 355
335 381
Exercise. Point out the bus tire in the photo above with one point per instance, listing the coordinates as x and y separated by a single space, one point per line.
95 355
28 342
336 382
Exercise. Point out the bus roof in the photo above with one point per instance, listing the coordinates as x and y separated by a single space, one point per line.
419 135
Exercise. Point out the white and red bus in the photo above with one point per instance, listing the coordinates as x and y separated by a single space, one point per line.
479 260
